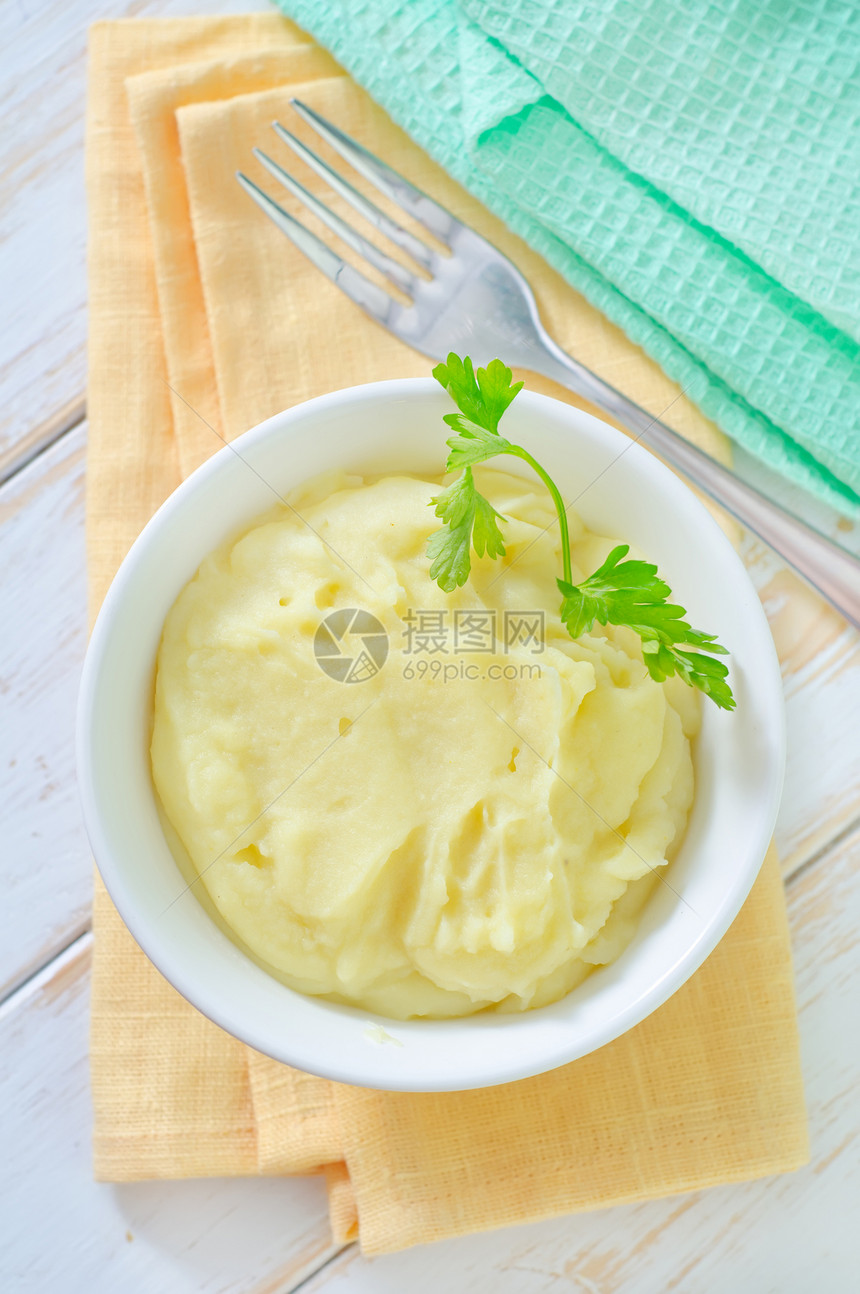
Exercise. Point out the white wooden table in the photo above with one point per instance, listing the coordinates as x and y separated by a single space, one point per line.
60 1231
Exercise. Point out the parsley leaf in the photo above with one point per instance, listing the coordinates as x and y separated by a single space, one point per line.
632 594
470 520
472 443
619 592
471 523
482 397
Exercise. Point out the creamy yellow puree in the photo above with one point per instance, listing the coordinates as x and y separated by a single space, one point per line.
412 845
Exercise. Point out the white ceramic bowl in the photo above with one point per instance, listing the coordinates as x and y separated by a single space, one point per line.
620 490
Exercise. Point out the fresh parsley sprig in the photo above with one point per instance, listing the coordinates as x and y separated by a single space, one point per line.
629 593
632 594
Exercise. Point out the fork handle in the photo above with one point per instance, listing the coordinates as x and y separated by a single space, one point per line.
829 568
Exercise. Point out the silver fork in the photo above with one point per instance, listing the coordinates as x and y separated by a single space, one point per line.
475 301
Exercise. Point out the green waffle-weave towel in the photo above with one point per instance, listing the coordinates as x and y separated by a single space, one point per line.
693 168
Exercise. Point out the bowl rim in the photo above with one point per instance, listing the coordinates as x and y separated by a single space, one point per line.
196 991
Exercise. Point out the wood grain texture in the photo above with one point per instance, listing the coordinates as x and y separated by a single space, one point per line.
45 869
782 1235
42 207
63 1231
193 1235
788 1234
820 659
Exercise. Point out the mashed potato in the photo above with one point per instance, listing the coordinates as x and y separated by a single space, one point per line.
424 842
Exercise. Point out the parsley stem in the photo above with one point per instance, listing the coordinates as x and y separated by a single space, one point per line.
550 484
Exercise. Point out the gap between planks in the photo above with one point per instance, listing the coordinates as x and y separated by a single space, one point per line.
311 1276
42 438
32 978
34 983
819 855
332 1263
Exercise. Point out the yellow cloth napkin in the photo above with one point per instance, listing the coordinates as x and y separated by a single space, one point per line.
204 321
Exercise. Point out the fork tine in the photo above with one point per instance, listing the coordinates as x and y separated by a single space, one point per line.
393 270
372 298
428 213
399 236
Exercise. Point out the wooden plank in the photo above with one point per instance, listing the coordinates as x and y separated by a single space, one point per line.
42 212
63 1231
262 1236
68 1232
790 1233
45 870
40 438
820 659
45 867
